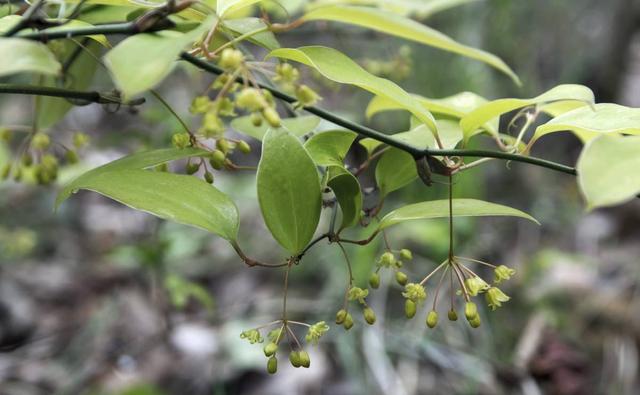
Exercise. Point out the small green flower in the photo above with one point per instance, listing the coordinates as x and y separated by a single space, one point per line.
217 159
180 140
387 259
244 147
475 321
432 319
316 331
348 322
495 297
286 73
252 335
452 315
272 117
357 293
200 105
406 254
275 334
475 285
270 349
341 315
250 99
230 59
294 358
80 139
503 273
41 141
307 96
305 361
414 292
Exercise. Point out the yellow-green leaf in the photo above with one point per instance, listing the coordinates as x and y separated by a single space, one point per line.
590 122
406 28
338 67
224 6
18 55
329 148
348 193
494 109
609 170
440 209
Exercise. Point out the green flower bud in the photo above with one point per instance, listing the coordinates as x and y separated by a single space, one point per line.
41 141
5 134
181 140
271 117
503 273
80 140
212 125
244 147
401 278
475 322
306 96
453 315
305 361
5 172
49 162
495 297
230 59
192 168
208 177
409 308
225 107
286 73
348 322
374 280
432 319
470 310
27 159
387 259
272 365
270 349
369 315
223 145
340 316
200 105
357 293
217 159
406 254
250 99
256 119
294 358
71 156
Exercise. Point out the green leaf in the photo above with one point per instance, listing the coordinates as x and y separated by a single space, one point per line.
224 6
184 199
8 21
138 161
423 9
289 190
440 209
590 122
394 170
338 67
298 126
330 148
608 170
493 109
78 76
18 55
406 28
141 62
348 193
456 106
245 25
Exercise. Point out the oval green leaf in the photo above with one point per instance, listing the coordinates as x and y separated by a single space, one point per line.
609 170
138 161
394 170
338 67
289 190
440 209
184 199
18 55
330 148
348 193
406 28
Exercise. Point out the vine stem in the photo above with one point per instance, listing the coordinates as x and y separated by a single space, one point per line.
130 28
88 96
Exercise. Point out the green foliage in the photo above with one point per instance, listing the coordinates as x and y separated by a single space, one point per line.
330 148
23 56
288 190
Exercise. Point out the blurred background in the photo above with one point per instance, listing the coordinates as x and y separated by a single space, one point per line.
100 299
